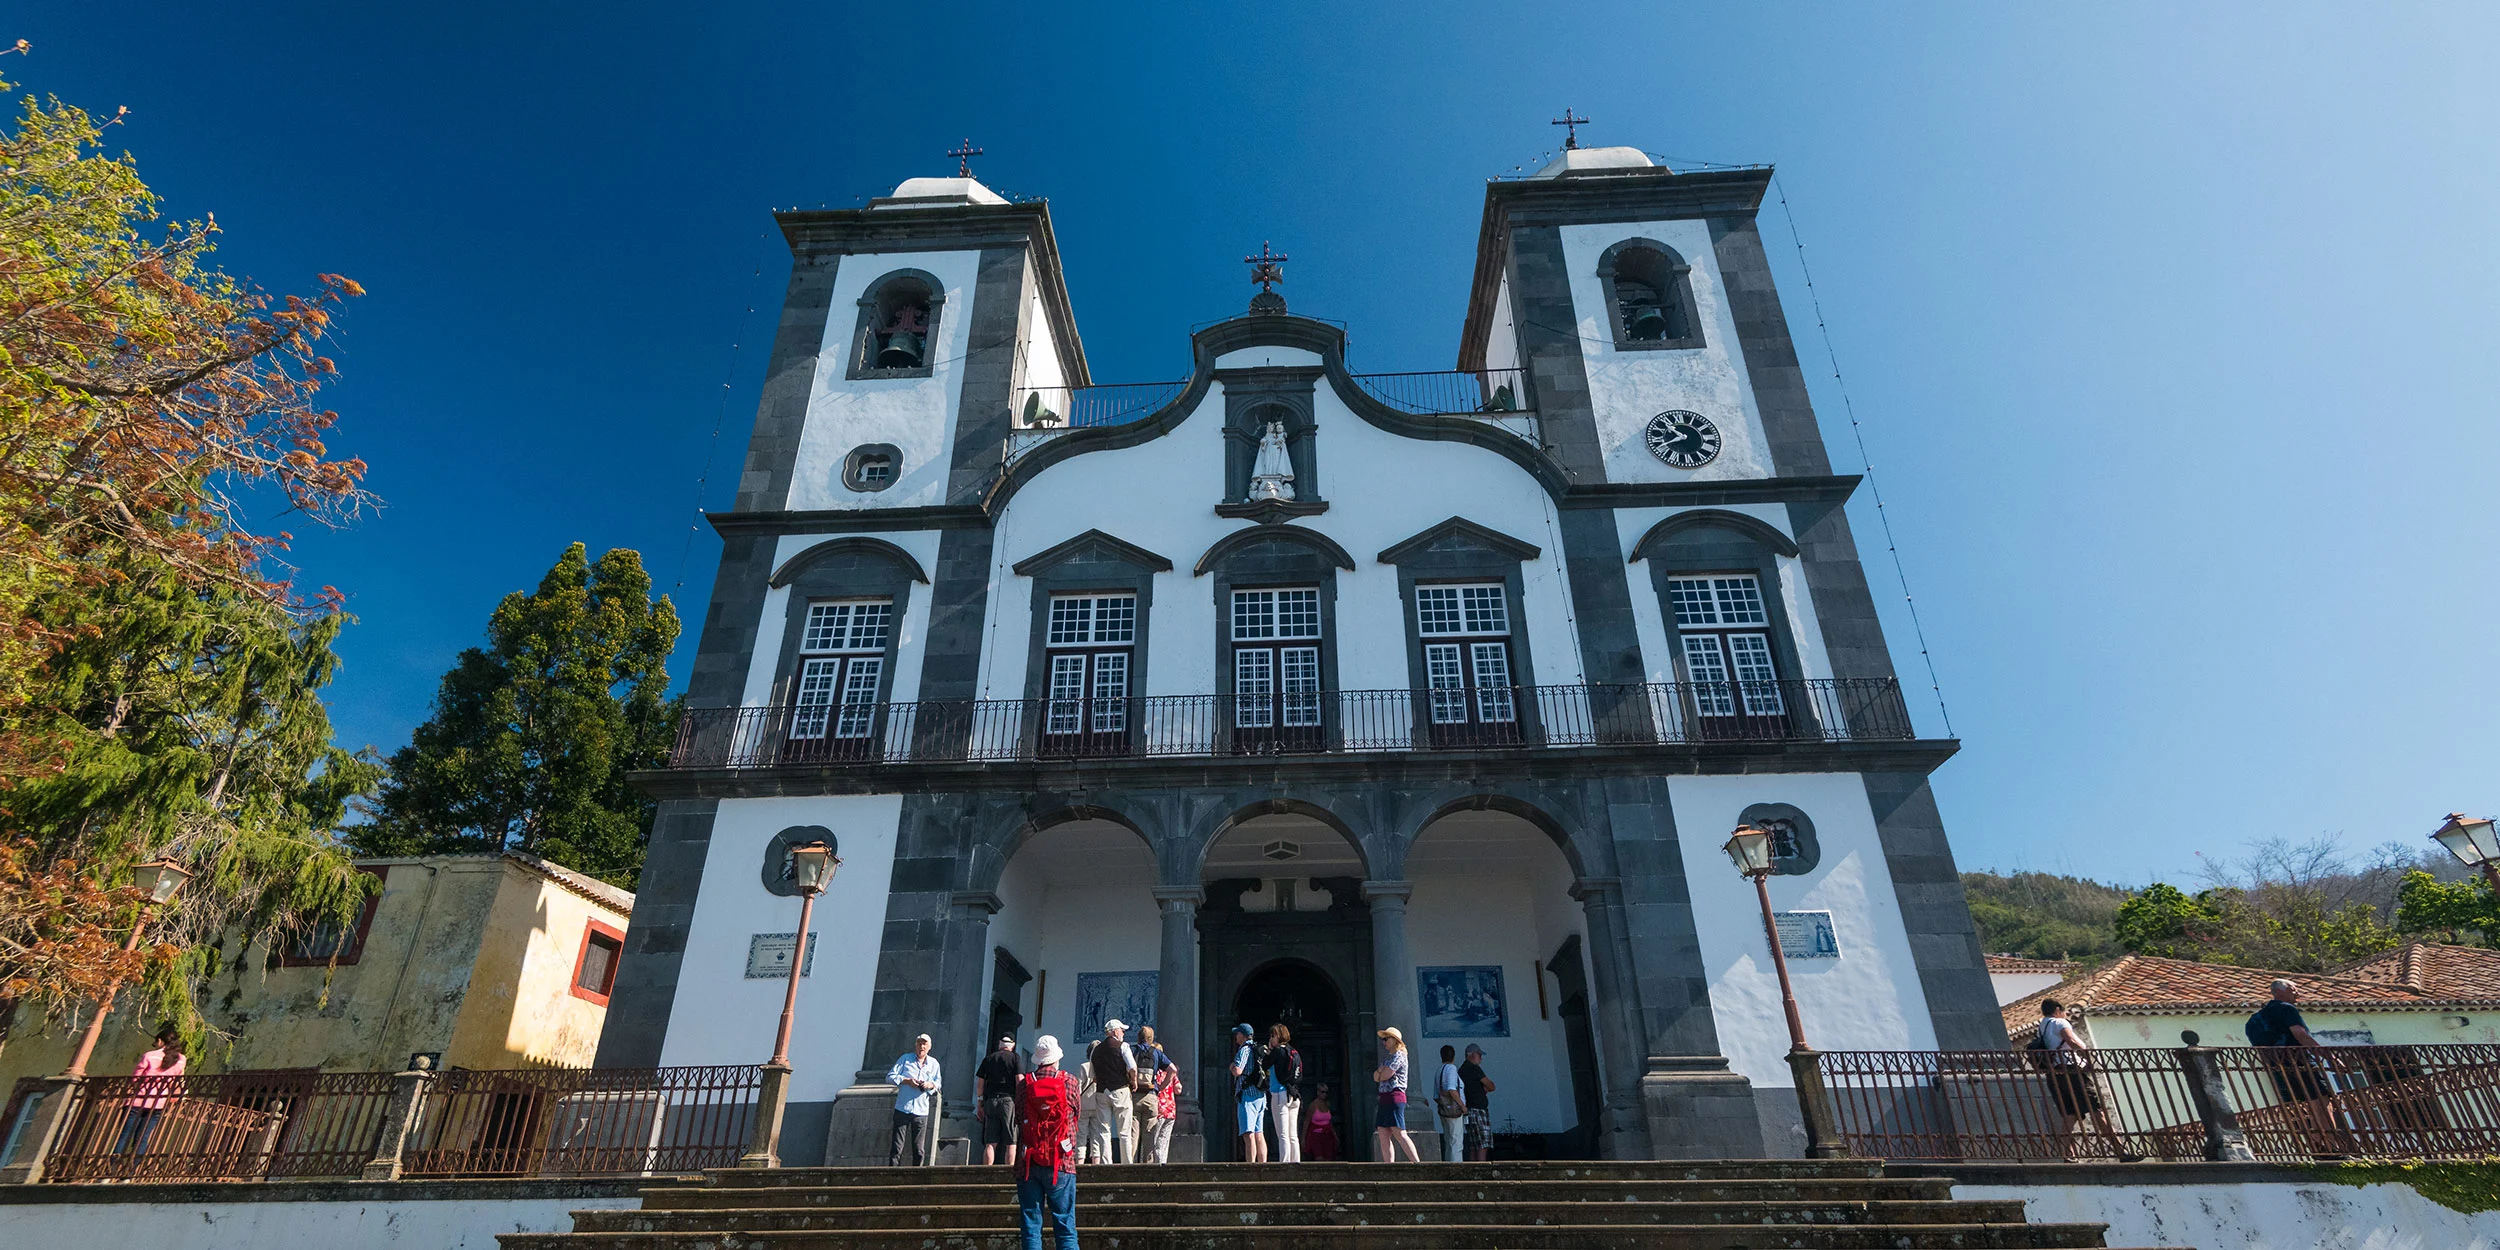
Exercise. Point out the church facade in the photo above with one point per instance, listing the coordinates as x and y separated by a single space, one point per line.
1286 692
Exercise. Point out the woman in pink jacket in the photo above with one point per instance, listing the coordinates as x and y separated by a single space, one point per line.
154 1085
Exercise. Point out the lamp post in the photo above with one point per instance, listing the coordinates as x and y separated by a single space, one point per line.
811 867
160 878
2475 844
1749 848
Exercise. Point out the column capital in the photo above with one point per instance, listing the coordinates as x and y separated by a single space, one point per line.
1597 889
983 901
1180 897
1388 891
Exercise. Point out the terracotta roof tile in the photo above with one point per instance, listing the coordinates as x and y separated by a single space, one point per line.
2018 964
2144 985
2448 972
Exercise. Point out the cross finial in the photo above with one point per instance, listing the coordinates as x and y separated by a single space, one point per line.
1264 267
963 156
1571 128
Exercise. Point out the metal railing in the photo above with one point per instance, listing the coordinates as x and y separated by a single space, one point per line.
1317 723
244 1125
1497 396
1045 412
584 1122
2288 1103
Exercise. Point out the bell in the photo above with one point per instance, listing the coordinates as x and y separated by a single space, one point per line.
1648 324
901 351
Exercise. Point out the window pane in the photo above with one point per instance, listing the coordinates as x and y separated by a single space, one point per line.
1110 692
1487 613
1754 670
1492 671
1115 618
1690 597
1071 619
598 957
859 697
1067 693
1300 684
1708 668
827 623
1448 682
869 623
1254 614
1740 601
1437 610
1254 680
814 697
1297 614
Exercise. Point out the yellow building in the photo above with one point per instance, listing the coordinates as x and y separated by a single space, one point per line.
474 961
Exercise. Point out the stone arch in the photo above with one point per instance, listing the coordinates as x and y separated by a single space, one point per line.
1535 815
871 548
1226 546
1755 528
1666 281
999 846
1190 855
891 293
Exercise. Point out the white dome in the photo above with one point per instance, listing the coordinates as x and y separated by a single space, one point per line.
1595 160
923 192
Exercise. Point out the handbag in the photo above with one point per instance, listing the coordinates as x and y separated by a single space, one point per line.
1451 1105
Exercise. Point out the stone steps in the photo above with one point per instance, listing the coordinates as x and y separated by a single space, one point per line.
1682 1205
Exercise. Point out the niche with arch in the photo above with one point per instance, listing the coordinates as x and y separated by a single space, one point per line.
898 326
1649 297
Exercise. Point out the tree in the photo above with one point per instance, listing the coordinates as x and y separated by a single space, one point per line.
2162 920
533 735
2297 906
2040 915
159 677
2448 911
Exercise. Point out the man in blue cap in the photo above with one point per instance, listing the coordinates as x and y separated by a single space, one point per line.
1250 1093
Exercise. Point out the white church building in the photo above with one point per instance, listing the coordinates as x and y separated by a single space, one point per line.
1290 692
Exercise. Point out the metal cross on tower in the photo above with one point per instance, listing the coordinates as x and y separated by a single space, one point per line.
1571 128
1264 268
963 156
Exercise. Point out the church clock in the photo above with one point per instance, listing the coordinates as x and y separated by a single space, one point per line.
1686 440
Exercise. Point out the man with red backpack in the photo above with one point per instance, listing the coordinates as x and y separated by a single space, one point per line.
1046 1102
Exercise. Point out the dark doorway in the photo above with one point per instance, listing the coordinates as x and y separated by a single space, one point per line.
1007 981
1303 999
1580 1048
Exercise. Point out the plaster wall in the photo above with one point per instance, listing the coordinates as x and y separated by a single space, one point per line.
1501 345
763 668
916 415
521 1009
720 1015
1869 998
2278 1216
1503 902
2013 985
1068 908
456 1224
1627 388
1381 488
1649 614
1040 349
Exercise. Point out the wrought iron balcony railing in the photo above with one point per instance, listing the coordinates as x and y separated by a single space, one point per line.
1498 397
1330 722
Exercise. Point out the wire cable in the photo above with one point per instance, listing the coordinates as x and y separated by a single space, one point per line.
720 417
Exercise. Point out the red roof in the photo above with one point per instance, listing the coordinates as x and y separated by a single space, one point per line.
2018 964
2449 972
2138 985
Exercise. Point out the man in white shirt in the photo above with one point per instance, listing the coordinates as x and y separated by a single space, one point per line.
1115 1125
915 1079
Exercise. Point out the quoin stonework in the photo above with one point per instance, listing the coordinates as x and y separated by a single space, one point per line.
1289 691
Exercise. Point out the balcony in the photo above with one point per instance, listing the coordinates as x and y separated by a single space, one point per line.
1497 397
1348 722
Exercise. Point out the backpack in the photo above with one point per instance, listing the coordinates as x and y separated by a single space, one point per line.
2261 1030
1254 1075
2036 1053
1290 1071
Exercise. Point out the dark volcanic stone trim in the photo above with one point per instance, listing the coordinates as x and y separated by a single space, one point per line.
985 407
876 547
1779 382
1944 944
1549 349
1601 597
518 1189
1111 545
790 378
1655 540
655 943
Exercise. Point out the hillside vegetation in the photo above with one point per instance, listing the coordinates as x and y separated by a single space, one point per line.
2042 915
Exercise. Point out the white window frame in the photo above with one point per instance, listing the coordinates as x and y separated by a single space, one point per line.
1089 639
1276 640
841 669
1470 661
1724 623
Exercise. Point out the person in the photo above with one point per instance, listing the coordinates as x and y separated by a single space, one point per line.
1319 1135
1479 1105
1115 1112
1449 1105
1159 1107
1088 1115
153 1086
1389 1125
2294 1061
994 1088
1249 1094
1284 1093
1046 1138
915 1079
2070 1078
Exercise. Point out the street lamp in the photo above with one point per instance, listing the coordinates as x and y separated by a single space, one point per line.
811 866
160 879
2475 844
1749 848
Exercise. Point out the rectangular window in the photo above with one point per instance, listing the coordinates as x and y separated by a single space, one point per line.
594 969
1085 620
1067 694
1298 670
841 668
1090 638
1490 662
1729 599
318 944
1441 611
1265 614
1445 673
1468 677
858 625
1756 677
1254 687
1705 664
1719 620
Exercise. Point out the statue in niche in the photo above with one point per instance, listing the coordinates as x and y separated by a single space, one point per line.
1271 476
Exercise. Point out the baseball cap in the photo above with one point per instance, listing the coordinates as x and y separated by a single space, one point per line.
1109 1025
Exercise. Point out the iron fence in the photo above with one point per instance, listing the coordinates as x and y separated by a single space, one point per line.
1312 723
1481 392
242 1125
585 1121
2292 1103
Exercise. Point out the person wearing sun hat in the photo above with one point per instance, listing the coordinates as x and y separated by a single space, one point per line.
1389 1123
1046 1101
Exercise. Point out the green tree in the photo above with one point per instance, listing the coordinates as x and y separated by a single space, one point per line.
532 736
2448 911
2162 920
2041 915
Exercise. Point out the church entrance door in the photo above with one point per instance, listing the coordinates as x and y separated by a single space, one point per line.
1304 1000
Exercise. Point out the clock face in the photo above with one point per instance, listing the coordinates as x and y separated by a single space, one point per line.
1686 440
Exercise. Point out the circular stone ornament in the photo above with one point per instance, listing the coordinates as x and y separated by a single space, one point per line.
1687 440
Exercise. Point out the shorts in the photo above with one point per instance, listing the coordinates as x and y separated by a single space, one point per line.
998 1121
2074 1091
2296 1076
1253 1108
1392 1112
1479 1128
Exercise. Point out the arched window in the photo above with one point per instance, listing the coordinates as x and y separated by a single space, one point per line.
1649 296
898 326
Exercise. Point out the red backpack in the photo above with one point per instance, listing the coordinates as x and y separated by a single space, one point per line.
1046 1123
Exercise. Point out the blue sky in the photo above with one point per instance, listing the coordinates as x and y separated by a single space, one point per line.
2171 327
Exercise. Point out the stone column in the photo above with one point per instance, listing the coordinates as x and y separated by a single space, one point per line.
399 1120
1176 1010
1393 975
1658 1105
1623 1131
963 1017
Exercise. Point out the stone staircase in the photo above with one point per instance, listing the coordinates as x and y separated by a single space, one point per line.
1754 1204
